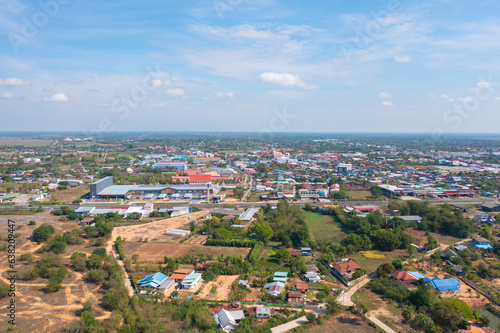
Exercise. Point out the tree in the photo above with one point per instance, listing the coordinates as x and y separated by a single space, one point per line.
238 192
79 260
411 251
283 254
263 232
432 243
407 314
43 232
311 317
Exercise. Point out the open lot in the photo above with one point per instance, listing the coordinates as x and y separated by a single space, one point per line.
155 231
443 240
371 265
71 194
359 194
18 141
386 312
342 323
324 228
155 251
223 284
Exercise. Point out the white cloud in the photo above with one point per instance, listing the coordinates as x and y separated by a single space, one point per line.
225 94
387 103
445 96
156 83
405 58
284 79
483 84
176 92
7 95
432 95
206 98
465 99
167 83
497 98
13 82
59 97
384 95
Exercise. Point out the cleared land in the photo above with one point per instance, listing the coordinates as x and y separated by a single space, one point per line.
342 323
443 240
371 264
386 312
359 194
69 195
156 251
223 284
12 141
324 228
155 231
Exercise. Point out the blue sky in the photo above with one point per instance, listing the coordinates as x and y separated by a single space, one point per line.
239 65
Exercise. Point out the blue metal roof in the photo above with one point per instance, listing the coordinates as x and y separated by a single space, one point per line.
419 276
152 280
445 284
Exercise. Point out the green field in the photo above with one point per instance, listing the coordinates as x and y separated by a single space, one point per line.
324 228
371 265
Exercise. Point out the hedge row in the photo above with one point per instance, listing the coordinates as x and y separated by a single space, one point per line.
255 253
230 242
119 247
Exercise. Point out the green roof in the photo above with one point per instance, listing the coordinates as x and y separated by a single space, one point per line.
279 278
285 274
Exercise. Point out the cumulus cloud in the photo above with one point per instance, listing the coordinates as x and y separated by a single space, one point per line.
384 95
445 96
483 84
176 92
284 79
387 103
12 82
405 58
156 83
465 99
59 97
497 98
7 95
225 94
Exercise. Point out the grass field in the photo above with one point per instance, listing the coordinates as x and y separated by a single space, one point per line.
324 228
12 141
342 323
371 265
361 194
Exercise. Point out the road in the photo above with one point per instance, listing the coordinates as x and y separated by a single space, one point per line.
111 248
345 299
380 324
290 325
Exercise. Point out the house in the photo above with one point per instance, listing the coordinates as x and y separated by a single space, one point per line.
275 288
88 222
295 297
458 269
460 247
166 284
420 276
261 312
244 283
152 280
412 218
312 268
489 255
280 276
445 286
348 267
306 251
227 319
490 207
405 279
203 264
181 273
481 243
312 277
420 245
302 287
448 254
191 280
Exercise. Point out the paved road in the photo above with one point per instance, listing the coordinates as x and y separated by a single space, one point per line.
345 299
380 324
290 325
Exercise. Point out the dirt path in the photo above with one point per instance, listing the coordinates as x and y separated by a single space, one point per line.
148 230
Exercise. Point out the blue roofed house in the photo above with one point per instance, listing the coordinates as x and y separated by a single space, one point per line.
481 243
445 286
420 276
152 280
306 251
280 276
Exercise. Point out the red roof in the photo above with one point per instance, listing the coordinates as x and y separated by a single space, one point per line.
402 276
206 177
346 267
420 243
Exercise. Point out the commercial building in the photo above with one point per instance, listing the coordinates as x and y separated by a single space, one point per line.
104 188
175 164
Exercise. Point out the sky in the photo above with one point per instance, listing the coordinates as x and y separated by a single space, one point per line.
265 66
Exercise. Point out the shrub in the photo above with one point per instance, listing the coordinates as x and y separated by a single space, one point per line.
43 232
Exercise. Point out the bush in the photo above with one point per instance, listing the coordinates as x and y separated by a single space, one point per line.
4 290
32 223
43 232
27 257
119 247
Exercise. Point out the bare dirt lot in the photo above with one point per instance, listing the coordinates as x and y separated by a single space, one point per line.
223 284
71 194
155 251
342 323
15 141
155 231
